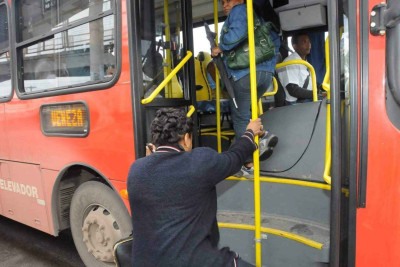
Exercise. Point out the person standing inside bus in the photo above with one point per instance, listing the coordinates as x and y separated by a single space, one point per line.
233 33
173 197
296 79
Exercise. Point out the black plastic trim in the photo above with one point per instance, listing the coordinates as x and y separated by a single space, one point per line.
171 102
17 82
133 13
336 146
139 110
364 61
354 134
377 23
9 50
189 68
64 28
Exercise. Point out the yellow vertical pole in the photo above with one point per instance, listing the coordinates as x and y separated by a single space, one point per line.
327 88
217 84
167 68
254 115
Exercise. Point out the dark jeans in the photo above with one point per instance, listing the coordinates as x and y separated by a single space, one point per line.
241 87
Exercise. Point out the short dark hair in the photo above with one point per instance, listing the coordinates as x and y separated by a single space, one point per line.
169 126
296 37
230 0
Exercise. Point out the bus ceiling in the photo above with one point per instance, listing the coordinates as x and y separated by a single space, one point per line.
294 14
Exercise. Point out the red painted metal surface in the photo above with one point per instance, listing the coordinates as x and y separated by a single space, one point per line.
378 225
36 160
109 149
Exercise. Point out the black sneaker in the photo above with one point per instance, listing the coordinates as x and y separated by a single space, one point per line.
266 145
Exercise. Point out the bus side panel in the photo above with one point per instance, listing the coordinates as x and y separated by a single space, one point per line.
108 145
3 151
4 176
3 142
22 194
108 149
378 225
49 177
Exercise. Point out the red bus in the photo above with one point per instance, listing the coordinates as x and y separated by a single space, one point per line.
80 82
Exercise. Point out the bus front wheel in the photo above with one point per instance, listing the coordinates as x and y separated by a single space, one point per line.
98 220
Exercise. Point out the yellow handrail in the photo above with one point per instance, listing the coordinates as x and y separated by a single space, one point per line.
327 87
217 84
223 133
167 79
310 69
328 157
214 134
191 111
266 179
254 115
326 82
273 92
272 231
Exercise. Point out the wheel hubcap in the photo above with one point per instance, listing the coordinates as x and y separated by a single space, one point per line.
100 233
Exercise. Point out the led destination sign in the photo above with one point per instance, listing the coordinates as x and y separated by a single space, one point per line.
65 119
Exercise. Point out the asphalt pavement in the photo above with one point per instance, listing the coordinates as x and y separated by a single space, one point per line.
22 246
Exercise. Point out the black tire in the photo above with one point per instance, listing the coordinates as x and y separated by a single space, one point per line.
99 216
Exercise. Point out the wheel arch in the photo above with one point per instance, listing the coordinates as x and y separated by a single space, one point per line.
66 183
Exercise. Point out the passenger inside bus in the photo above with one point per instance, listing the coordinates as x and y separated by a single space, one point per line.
172 195
233 33
295 79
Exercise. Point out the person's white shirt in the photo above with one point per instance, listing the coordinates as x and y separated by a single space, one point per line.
296 74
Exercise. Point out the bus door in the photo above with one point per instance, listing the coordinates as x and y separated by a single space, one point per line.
298 194
161 51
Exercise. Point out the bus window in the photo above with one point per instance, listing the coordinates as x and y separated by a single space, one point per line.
4 27
161 47
5 74
202 44
71 56
38 17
